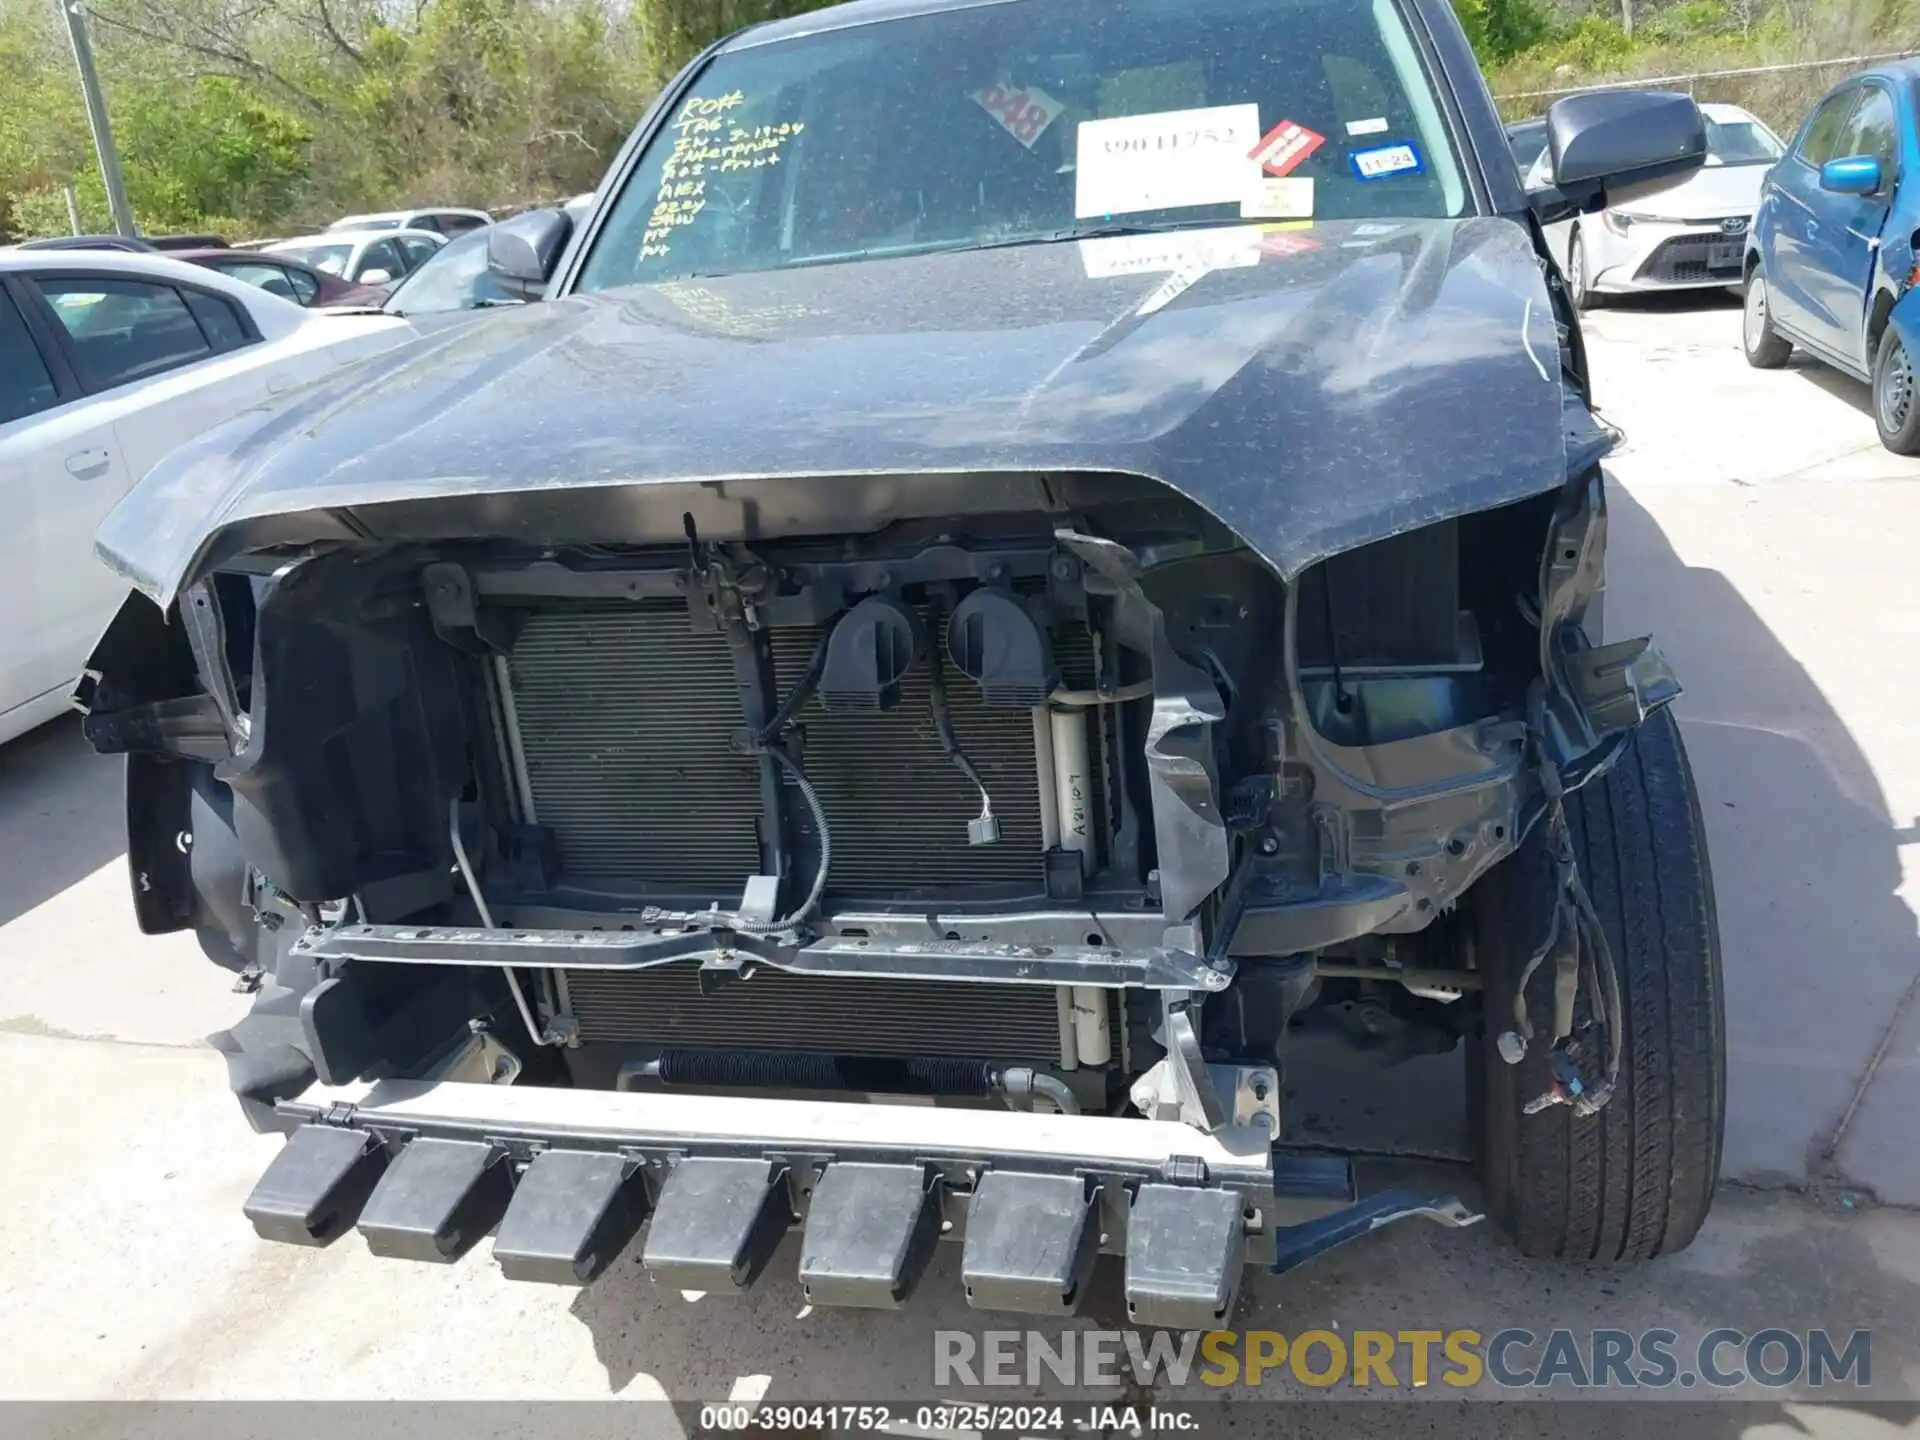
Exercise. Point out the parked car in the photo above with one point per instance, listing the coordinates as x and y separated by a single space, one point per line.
1528 141
441 220
1832 250
1677 233
453 287
363 257
290 279
974 621
108 361
126 244
129 243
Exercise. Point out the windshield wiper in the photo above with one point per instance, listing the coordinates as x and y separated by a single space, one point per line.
1105 231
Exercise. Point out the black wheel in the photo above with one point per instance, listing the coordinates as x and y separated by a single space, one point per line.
1578 284
1896 412
1766 347
1635 1180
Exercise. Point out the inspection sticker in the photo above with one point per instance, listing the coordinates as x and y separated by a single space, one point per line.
1165 160
1385 160
1285 146
1024 112
1279 197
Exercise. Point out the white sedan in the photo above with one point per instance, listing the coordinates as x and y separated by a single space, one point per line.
1686 232
365 257
107 362
447 220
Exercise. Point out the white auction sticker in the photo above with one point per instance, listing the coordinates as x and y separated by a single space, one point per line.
1224 247
1024 112
1165 160
1375 126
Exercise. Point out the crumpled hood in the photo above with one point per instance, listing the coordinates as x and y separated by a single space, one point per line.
1314 388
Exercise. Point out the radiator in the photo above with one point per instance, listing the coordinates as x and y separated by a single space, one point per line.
626 715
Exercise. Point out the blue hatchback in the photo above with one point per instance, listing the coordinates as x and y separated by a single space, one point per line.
1831 251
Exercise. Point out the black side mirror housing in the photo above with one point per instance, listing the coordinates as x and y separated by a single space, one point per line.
1606 138
522 252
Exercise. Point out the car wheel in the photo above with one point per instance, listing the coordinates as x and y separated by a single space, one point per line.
1635 1180
1766 347
1584 298
1896 409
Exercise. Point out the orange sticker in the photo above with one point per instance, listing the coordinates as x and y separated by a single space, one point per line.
1285 146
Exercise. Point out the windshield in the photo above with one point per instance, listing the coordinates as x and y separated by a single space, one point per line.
1740 142
330 258
456 278
1029 121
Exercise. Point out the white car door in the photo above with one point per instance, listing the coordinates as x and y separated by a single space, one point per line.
61 467
164 362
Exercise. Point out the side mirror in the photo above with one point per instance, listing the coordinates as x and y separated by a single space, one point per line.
375 277
1606 138
1851 175
522 252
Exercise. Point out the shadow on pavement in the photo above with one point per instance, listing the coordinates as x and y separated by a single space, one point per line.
1818 945
61 815
1825 377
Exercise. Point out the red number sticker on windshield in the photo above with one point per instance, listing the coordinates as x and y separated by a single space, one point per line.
1285 146
1024 114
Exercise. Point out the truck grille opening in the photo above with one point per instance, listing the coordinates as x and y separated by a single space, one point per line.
777 1010
626 716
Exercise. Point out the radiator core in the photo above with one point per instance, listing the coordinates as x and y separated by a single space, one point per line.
626 715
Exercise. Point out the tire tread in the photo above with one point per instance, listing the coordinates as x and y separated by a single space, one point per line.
1635 1180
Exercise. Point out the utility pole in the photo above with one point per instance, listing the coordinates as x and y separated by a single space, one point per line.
97 118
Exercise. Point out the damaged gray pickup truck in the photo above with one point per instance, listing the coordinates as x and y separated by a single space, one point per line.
1035 573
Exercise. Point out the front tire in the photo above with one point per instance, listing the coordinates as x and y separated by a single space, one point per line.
1896 407
1635 1180
1766 347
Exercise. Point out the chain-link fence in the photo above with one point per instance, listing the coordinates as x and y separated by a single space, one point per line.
1778 94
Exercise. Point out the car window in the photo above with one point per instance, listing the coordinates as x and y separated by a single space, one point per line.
1870 130
1823 131
424 221
219 321
456 278
25 384
1528 142
330 258
274 279
381 255
125 330
1015 124
459 224
1740 142
305 288
416 251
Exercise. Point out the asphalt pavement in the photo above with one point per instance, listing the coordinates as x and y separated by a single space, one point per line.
1759 531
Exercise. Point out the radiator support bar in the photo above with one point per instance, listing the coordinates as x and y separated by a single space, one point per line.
977 961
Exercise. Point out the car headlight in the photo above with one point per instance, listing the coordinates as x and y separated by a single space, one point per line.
1621 221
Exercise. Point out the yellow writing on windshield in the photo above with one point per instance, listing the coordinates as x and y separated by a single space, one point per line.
706 141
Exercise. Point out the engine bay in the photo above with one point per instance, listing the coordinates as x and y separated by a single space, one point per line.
1082 809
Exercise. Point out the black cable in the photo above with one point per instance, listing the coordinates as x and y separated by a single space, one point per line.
1342 701
803 688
